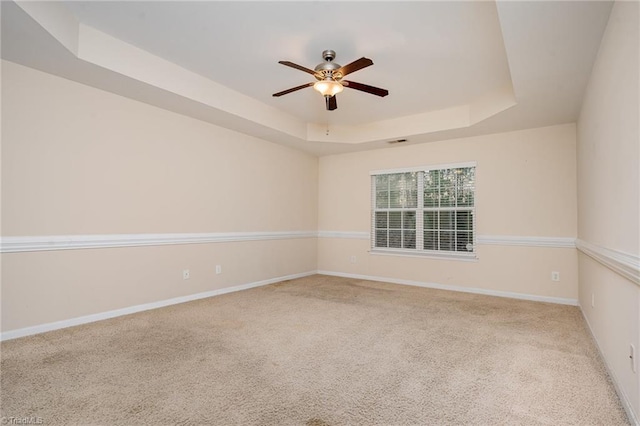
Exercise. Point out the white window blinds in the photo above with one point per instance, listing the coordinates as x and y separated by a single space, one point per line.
430 210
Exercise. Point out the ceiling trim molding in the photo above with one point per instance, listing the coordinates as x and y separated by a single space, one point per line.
98 48
39 35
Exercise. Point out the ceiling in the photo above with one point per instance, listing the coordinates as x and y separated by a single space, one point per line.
453 69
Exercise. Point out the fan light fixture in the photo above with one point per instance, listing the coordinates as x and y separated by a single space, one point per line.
328 87
329 78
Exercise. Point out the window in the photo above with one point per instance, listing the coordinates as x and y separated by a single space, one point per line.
429 210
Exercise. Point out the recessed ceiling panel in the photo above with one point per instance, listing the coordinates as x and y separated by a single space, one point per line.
429 55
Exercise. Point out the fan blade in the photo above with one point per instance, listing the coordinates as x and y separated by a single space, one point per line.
293 89
355 66
298 67
365 88
332 102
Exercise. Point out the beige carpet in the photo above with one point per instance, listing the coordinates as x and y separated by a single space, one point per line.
318 351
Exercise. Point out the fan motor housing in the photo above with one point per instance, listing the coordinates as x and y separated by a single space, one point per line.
328 65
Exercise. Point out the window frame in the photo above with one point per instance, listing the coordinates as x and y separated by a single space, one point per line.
419 212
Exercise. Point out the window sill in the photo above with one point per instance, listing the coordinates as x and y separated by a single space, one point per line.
464 257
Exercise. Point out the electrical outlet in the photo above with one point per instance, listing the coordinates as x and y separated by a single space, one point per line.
218 269
555 276
186 274
632 357
353 259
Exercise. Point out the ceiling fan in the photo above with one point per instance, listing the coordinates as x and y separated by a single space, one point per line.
329 78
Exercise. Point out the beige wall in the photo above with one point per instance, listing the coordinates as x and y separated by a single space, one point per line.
78 161
526 187
608 194
44 287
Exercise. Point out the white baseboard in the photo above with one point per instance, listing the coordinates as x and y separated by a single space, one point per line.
624 399
37 329
475 290
28 331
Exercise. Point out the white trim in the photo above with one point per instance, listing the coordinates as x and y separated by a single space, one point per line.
342 234
423 168
513 240
624 399
74 242
37 329
444 255
625 264
502 240
474 290
71 242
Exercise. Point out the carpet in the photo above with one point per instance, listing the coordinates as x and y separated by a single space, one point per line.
317 351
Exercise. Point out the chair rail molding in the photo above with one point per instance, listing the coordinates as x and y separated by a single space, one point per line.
17 244
625 264
528 241
502 240
352 235
74 242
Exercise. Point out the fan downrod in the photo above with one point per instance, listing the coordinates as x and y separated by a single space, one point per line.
328 55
